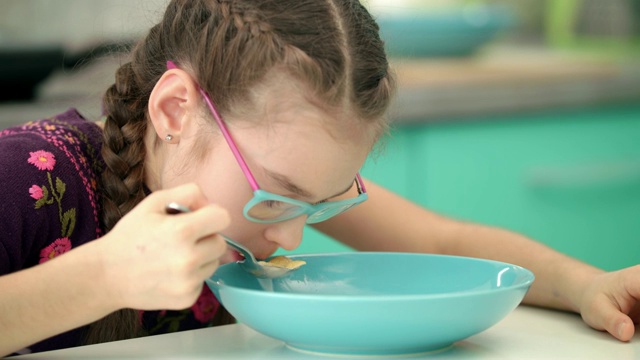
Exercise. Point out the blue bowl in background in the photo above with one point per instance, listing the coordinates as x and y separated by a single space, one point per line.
454 32
371 303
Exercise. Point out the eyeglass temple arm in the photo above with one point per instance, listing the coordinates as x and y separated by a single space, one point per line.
360 184
234 148
225 133
230 142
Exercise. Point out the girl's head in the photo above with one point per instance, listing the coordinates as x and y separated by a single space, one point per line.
327 52
303 86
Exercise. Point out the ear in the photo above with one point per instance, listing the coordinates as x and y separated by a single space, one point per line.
174 96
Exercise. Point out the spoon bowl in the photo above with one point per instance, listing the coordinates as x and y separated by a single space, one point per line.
260 269
250 264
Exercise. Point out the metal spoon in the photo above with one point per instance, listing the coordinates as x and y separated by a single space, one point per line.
259 269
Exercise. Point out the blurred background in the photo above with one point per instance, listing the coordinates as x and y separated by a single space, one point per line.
523 114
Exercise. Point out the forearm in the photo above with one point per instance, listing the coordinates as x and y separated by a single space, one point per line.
560 279
51 298
387 222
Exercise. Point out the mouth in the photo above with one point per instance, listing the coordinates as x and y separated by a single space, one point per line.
231 256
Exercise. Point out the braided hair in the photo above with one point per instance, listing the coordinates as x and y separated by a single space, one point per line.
229 46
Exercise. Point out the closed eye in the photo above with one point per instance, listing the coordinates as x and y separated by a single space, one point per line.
275 204
287 184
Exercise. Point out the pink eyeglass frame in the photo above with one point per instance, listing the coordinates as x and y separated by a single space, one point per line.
236 152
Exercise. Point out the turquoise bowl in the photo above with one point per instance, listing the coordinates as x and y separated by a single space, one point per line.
374 303
455 32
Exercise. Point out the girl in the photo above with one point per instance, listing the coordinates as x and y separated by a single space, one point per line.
222 98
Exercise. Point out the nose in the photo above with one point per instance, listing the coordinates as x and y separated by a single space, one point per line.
287 234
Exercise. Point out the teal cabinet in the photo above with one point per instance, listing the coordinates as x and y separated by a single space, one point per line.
569 179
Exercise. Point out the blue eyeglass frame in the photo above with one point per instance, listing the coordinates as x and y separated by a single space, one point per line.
315 212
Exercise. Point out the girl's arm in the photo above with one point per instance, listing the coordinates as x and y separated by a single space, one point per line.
387 222
60 295
149 261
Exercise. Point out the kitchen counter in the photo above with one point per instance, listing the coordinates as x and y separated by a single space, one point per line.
509 80
526 333
502 80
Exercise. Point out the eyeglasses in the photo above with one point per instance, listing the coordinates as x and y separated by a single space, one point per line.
266 207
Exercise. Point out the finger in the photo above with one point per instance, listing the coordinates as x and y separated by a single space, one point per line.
629 304
208 269
622 328
202 223
612 314
210 248
606 316
626 329
187 195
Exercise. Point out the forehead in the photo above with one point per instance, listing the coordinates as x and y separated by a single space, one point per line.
280 98
289 128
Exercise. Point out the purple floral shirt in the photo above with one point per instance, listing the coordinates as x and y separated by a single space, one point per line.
49 171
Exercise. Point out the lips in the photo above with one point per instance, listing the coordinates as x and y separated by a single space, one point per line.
230 256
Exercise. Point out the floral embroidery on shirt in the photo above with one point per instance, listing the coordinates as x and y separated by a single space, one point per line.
36 192
203 312
205 308
45 161
58 247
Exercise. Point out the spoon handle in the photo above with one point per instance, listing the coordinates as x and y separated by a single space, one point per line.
173 208
249 264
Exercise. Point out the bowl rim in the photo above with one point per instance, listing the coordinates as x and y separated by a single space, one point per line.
529 278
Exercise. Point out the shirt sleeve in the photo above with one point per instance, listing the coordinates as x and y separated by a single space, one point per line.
26 180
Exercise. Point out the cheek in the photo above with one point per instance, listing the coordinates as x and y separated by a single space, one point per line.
226 191
233 197
224 184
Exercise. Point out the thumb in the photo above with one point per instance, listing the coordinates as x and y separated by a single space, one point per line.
613 308
617 323
625 329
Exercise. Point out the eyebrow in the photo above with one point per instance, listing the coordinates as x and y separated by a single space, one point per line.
287 184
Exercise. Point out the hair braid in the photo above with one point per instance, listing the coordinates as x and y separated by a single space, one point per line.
123 149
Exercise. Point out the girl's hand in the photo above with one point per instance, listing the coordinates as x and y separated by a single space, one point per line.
153 260
612 302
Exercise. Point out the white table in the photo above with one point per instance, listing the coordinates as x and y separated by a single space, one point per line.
527 333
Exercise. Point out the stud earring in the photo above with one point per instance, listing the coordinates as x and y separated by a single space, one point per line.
169 137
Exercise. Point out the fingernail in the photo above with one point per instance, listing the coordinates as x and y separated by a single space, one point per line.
621 329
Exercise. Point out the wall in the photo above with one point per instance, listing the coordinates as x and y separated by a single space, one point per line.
28 21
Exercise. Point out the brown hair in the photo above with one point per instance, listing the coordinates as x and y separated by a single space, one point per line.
333 46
